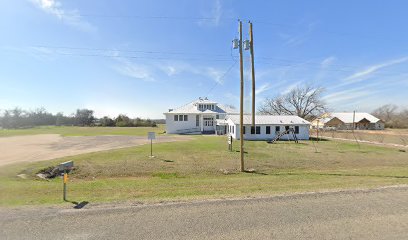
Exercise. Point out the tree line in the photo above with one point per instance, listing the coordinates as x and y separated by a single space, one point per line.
19 118
392 115
307 102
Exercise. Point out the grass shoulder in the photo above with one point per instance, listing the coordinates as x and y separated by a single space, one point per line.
204 168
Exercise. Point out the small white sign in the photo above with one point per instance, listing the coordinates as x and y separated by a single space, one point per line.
151 135
229 139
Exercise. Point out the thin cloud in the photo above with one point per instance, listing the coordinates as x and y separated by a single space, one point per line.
69 17
298 38
347 95
134 70
291 87
214 16
263 88
231 96
173 69
327 62
361 75
216 75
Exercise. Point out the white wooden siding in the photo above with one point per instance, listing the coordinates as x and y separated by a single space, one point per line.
302 135
178 126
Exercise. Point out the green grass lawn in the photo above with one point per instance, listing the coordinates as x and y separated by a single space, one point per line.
204 168
83 131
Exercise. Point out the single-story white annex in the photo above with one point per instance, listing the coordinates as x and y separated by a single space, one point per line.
267 127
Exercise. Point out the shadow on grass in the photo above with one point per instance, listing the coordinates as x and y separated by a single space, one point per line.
164 160
78 205
319 139
240 151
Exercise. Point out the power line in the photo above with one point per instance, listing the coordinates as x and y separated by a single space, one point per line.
330 69
131 51
222 77
262 21
282 62
286 62
182 18
116 56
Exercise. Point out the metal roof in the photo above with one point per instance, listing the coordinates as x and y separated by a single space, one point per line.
347 117
192 107
270 119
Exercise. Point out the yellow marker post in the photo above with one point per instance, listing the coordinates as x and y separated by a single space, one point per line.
65 180
66 167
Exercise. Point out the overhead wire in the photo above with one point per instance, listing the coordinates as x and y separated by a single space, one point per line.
270 61
222 77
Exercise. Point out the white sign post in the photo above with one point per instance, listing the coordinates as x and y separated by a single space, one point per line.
151 136
230 143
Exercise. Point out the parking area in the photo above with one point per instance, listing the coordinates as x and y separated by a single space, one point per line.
33 148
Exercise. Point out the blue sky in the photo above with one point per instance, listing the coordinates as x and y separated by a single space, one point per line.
143 57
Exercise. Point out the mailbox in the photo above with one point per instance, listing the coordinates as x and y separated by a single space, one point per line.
66 166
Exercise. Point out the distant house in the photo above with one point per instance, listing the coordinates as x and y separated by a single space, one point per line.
345 120
267 127
199 116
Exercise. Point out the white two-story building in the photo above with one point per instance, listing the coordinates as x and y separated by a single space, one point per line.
205 116
199 116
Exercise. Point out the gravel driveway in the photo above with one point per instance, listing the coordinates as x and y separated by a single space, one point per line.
49 146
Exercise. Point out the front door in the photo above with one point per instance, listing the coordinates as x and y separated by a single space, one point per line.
209 124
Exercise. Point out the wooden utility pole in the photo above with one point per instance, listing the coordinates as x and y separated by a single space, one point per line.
241 104
354 126
251 44
354 119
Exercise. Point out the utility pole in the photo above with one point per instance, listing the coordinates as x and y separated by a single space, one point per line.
251 45
241 104
354 119
354 126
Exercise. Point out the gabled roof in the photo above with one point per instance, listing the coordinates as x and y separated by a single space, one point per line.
270 119
192 107
347 117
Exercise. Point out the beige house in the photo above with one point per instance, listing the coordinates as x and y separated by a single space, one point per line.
346 120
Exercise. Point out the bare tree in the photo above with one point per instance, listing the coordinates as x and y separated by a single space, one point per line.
305 102
386 112
391 116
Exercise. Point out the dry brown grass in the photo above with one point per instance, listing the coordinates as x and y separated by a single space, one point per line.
388 136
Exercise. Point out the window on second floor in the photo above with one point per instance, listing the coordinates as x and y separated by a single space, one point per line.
176 118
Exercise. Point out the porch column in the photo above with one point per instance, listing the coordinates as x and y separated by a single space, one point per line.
201 123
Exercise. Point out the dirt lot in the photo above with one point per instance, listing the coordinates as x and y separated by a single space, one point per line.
387 137
49 146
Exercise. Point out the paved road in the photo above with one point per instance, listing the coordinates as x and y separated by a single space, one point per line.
370 214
